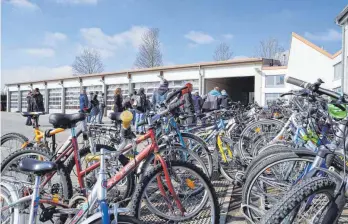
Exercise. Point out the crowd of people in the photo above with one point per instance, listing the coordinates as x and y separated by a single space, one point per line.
139 103
35 103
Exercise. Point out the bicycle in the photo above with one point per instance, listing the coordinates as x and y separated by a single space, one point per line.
329 184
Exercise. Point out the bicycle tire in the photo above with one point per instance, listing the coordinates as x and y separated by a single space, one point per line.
64 181
21 140
257 171
121 219
140 190
298 194
261 157
70 164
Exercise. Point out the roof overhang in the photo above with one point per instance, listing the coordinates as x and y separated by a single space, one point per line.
342 17
233 62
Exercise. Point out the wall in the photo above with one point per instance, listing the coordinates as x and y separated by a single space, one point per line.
268 72
309 64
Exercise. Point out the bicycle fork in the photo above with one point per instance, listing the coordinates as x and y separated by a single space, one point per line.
170 185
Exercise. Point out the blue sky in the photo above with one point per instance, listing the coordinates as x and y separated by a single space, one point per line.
40 38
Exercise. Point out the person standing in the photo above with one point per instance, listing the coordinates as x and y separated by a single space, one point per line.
95 107
224 99
211 100
118 107
197 102
29 108
83 101
140 109
38 102
160 95
90 106
188 107
102 106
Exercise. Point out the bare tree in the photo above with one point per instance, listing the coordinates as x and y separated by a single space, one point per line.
149 54
223 52
270 49
88 62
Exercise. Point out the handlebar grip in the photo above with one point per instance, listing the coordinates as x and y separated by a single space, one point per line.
141 123
174 94
287 94
328 93
297 82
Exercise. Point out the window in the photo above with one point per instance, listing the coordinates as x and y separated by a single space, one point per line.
72 98
337 71
14 99
148 86
55 98
338 89
24 100
93 89
273 81
269 97
111 92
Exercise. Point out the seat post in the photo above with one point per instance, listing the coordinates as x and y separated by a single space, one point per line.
35 200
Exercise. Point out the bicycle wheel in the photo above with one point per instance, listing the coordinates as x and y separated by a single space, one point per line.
196 144
121 219
11 142
307 202
257 135
271 179
273 150
185 177
60 184
174 153
122 191
6 198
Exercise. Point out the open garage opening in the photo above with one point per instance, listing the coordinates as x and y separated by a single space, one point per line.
238 88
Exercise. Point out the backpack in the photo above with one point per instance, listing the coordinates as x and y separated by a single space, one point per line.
138 102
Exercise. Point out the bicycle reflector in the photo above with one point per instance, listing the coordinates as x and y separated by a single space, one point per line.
126 117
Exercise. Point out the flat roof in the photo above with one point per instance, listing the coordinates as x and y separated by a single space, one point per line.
342 16
161 68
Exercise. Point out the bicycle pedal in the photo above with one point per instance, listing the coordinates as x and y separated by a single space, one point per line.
47 213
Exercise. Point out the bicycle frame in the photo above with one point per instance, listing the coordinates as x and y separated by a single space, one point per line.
131 166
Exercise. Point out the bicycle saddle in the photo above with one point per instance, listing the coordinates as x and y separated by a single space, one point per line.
36 166
32 114
65 121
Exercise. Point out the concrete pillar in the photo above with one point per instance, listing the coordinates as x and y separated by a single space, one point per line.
46 99
8 100
344 57
19 104
63 97
130 84
201 82
104 90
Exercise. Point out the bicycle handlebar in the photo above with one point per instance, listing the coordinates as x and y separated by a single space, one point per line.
312 87
175 94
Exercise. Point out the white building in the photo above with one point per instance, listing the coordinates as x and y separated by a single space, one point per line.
244 79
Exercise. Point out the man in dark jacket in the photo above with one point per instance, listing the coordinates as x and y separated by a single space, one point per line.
140 109
160 95
224 99
38 102
29 108
197 102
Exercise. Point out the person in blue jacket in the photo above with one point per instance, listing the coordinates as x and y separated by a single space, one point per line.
83 100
